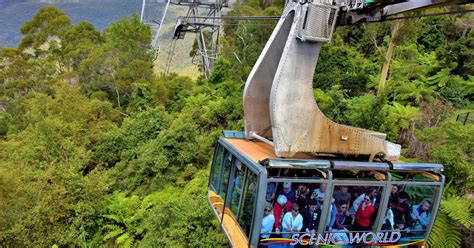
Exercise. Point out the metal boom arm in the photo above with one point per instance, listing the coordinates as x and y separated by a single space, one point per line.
278 96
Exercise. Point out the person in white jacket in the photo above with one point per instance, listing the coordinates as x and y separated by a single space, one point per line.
267 221
292 222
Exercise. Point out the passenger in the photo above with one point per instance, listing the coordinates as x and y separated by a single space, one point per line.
319 194
338 228
364 214
311 216
333 212
292 222
420 216
393 195
401 211
268 221
389 221
342 194
281 206
289 193
371 192
302 193
271 190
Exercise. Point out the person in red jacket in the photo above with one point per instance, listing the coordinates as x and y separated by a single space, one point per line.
282 205
363 215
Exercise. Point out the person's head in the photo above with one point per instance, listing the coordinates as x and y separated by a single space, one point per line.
295 209
287 187
344 189
373 192
368 199
426 205
322 187
268 209
313 205
402 197
282 200
394 189
342 206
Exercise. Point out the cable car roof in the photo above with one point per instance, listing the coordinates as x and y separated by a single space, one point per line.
263 153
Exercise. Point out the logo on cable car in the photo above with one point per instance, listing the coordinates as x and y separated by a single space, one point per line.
342 239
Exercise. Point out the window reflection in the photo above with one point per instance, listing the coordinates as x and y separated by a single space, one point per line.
217 168
409 210
295 208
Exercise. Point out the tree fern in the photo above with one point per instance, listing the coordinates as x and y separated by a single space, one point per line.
458 209
113 233
454 213
125 239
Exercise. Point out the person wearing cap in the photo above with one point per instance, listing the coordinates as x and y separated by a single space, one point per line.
268 221
292 222
288 192
311 216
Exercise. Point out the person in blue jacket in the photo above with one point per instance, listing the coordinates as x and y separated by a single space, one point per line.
420 216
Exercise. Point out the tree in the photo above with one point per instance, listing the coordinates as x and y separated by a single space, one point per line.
122 60
42 32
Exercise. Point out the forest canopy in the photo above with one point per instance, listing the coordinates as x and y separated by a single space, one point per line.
97 149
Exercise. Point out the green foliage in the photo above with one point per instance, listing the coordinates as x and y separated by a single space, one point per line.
454 212
456 156
431 34
43 28
96 150
340 64
179 220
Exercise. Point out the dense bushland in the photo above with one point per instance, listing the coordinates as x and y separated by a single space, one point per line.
96 149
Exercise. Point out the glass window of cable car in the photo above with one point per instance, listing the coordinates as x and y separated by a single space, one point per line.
354 209
356 205
216 168
296 208
243 192
409 210
248 202
224 178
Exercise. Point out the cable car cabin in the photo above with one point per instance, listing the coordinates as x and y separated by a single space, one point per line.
264 201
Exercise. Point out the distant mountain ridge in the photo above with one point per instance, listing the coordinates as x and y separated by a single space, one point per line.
13 13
